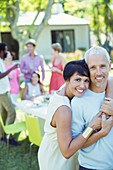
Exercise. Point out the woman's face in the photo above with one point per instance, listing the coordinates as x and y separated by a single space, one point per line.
77 85
34 79
9 57
54 52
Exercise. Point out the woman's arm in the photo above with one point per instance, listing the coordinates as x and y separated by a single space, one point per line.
63 62
43 91
25 91
106 127
62 121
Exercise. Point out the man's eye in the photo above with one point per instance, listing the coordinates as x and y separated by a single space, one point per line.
93 67
103 66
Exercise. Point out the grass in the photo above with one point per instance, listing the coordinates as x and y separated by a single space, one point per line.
18 158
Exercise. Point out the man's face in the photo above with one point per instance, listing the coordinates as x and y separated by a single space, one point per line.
99 69
30 48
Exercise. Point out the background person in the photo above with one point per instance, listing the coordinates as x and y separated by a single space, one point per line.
57 148
58 63
31 61
34 88
7 109
13 77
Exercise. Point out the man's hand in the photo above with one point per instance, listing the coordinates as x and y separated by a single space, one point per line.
107 124
96 122
107 106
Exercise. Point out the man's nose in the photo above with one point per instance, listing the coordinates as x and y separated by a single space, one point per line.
98 71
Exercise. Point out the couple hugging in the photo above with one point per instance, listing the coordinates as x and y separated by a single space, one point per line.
80 117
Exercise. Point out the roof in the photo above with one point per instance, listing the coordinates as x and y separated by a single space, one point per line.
26 18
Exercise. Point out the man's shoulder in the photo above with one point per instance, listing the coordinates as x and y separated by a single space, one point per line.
25 56
39 56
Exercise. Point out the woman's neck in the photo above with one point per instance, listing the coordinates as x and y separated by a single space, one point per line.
68 93
8 63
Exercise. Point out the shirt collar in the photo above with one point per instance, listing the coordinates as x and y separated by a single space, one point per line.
35 54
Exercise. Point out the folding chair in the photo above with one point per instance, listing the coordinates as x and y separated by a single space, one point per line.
12 128
33 132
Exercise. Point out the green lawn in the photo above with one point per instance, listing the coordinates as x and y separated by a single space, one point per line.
18 157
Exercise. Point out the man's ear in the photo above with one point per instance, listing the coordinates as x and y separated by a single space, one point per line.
110 65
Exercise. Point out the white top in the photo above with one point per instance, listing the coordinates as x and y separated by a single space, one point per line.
4 82
100 154
33 90
49 155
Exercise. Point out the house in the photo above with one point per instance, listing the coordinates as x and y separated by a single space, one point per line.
71 32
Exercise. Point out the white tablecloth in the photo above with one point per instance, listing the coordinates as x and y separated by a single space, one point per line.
39 111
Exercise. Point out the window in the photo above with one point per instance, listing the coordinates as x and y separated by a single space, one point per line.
11 44
65 38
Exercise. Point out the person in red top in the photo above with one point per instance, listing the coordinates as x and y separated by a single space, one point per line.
58 63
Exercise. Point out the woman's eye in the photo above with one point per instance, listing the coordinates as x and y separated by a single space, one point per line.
77 79
87 81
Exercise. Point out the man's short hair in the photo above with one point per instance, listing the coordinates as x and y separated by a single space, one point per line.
97 50
2 46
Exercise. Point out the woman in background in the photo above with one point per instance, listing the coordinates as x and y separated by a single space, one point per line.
13 77
58 63
34 88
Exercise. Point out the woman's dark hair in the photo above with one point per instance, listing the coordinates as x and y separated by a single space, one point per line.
78 66
2 46
5 55
37 73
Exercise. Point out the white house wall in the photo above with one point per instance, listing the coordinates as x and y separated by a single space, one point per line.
44 42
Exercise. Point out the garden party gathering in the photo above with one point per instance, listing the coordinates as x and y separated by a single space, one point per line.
56 87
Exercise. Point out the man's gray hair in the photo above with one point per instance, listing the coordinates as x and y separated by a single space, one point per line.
97 50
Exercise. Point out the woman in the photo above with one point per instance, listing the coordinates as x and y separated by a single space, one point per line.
13 77
58 147
34 88
58 63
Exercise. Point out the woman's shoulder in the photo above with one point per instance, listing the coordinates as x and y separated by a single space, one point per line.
59 100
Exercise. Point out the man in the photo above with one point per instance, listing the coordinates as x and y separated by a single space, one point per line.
100 154
31 61
7 109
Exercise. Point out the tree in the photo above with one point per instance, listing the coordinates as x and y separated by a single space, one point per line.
12 9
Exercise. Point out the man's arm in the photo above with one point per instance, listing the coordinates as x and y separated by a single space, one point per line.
42 67
2 75
107 105
23 70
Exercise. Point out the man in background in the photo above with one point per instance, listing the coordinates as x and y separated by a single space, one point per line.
7 109
31 61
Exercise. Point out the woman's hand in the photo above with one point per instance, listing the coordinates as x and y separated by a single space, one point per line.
107 106
56 70
107 124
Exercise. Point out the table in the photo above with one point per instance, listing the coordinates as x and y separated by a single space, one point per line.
39 111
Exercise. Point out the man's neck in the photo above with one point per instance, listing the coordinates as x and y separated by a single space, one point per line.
32 54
